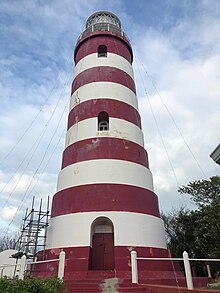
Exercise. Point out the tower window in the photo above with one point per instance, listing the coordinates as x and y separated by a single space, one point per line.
103 121
102 51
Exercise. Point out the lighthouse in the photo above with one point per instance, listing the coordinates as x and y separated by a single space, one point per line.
105 205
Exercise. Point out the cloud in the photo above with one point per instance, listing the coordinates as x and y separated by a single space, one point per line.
36 73
179 48
8 213
177 81
17 191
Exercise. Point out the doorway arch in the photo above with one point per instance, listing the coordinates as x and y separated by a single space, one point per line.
102 244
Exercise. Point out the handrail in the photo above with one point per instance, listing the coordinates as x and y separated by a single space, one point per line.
178 258
103 27
159 258
7 266
205 259
186 260
42 261
23 264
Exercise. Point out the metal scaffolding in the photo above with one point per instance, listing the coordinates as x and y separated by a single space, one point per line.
33 231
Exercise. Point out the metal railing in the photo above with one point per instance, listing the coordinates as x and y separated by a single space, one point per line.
186 260
23 265
103 27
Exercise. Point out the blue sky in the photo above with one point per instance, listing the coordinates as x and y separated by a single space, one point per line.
176 62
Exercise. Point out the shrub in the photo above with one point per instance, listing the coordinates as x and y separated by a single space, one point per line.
32 285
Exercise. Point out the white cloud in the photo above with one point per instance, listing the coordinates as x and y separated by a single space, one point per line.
185 74
8 213
182 59
17 195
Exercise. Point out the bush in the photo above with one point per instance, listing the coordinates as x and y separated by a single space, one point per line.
32 285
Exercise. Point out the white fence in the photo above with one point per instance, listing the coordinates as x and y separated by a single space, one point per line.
23 265
134 268
186 260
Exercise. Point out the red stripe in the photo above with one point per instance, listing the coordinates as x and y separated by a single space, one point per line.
92 108
78 260
80 252
103 73
89 45
105 197
104 148
150 268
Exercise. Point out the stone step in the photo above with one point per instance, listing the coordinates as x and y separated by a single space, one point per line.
180 281
77 288
131 288
90 275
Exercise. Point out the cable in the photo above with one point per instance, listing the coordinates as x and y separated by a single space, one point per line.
158 129
46 125
39 140
155 120
183 199
156 123
53 135
161 137
174 122
37 168
47 163
42 159
32 122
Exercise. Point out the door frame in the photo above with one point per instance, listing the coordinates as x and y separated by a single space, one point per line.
101 225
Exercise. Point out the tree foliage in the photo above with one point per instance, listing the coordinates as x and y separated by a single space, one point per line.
9 242
179 226
203 192
197 231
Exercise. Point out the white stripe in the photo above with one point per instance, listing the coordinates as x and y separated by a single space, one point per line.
99 90
105 171
118 128
112 60
130 229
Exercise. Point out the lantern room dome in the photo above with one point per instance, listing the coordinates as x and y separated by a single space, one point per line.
103 21
103 17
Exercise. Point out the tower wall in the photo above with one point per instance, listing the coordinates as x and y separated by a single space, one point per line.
105 185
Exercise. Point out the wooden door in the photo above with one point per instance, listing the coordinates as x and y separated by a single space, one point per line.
103 251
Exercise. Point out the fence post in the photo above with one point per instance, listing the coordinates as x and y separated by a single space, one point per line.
208 271
22 267
189 280
61 265
2 270
134 271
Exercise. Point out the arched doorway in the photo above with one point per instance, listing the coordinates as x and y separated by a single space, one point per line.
102 244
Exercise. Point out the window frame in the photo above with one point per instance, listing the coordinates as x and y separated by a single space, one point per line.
103 121
102 51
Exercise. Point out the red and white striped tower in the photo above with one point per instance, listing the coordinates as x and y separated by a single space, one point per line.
105 204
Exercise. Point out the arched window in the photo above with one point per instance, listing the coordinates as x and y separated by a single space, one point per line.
102 51
103 121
